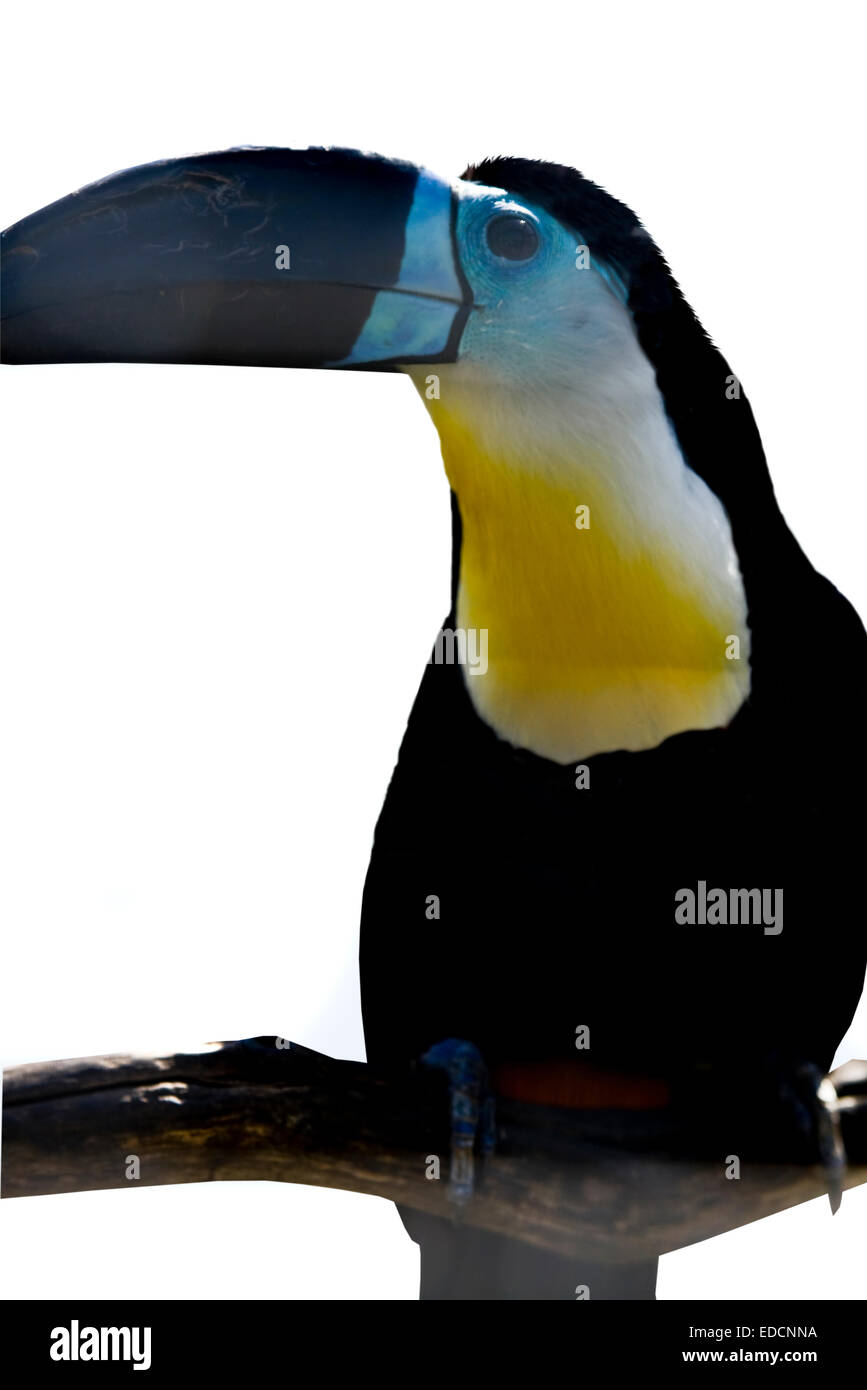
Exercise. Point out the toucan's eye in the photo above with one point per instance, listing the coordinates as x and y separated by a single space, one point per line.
512 238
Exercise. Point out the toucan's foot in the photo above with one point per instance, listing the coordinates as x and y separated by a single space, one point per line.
472 1111
809 1101
821 1097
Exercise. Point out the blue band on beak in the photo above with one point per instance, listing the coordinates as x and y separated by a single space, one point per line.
416 320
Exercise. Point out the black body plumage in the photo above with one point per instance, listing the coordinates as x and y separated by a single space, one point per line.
558 904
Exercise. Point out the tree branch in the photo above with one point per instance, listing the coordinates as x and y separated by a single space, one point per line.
606 1182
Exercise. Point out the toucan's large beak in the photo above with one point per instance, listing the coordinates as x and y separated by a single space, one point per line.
258 257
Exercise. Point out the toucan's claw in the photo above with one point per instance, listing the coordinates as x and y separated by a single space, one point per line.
472 1111
832 1151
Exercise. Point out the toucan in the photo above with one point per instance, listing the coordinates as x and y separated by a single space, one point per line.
617 866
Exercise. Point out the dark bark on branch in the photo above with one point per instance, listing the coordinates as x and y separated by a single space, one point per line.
605 1182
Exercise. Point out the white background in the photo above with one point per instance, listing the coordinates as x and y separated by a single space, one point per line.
220 586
